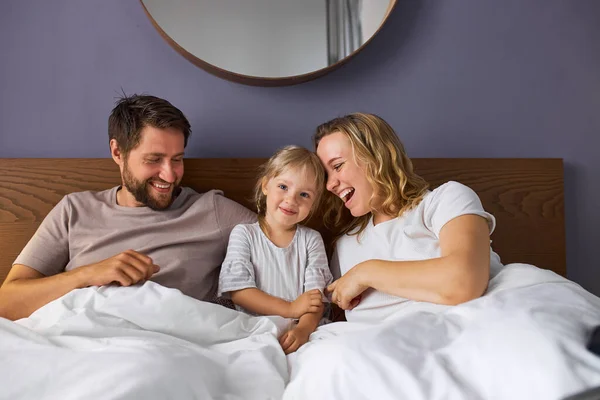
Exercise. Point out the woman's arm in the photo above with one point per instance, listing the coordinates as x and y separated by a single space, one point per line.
459 275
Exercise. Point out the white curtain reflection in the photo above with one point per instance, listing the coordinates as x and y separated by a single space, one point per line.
344 32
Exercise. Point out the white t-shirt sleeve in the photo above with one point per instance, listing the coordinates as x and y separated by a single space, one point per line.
452 200
317 274
237 271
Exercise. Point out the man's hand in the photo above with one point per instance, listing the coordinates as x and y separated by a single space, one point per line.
126 268
293 339
307 302
25 289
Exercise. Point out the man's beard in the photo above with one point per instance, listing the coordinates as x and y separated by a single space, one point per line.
141 191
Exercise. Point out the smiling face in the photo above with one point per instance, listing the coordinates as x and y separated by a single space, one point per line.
289 197
151 172
346 177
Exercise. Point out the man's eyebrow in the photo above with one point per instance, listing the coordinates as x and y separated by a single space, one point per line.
162 155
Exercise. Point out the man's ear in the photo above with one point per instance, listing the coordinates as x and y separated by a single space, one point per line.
116 153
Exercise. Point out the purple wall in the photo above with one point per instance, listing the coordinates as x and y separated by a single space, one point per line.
470 78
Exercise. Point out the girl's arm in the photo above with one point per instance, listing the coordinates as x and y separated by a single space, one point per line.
309 321
299 335
259 302
316 275
459 275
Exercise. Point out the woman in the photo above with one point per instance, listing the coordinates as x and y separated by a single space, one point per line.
397 240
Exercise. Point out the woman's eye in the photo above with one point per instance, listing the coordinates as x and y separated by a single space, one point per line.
337 166
282 187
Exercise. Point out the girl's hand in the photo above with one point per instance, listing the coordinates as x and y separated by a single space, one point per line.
307 302
346 291
293 339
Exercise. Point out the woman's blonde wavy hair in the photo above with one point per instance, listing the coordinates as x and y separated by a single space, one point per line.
294 157
376 146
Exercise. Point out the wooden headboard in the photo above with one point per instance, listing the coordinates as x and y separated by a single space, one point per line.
525 196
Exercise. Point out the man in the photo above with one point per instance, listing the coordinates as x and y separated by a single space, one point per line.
147 228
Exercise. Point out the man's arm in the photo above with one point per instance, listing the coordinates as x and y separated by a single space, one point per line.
25 289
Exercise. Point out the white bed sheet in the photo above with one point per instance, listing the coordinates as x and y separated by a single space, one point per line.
142 342
524 339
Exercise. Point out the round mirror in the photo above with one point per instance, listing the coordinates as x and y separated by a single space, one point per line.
268 42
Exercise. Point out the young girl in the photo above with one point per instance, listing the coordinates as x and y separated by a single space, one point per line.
276 266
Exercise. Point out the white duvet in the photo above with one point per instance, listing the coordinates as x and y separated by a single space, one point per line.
143 342
525 339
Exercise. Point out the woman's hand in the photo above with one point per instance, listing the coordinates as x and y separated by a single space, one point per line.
346 291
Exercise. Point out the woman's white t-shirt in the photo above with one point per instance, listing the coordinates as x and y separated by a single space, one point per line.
411 237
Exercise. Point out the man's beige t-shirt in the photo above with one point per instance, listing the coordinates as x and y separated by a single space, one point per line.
188 241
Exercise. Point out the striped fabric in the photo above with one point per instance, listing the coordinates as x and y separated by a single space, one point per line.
253 261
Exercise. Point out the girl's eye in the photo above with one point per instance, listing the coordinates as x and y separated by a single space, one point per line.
305 195
282 186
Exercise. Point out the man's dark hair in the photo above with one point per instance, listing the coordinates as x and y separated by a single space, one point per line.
133 113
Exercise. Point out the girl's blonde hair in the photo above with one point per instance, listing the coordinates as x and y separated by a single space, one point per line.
289 157
387 167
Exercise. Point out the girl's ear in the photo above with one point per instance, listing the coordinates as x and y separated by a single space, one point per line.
264 182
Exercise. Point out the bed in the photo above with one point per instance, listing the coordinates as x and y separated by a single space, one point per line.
84 344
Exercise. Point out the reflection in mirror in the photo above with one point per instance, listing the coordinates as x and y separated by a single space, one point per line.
350 24
268 38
